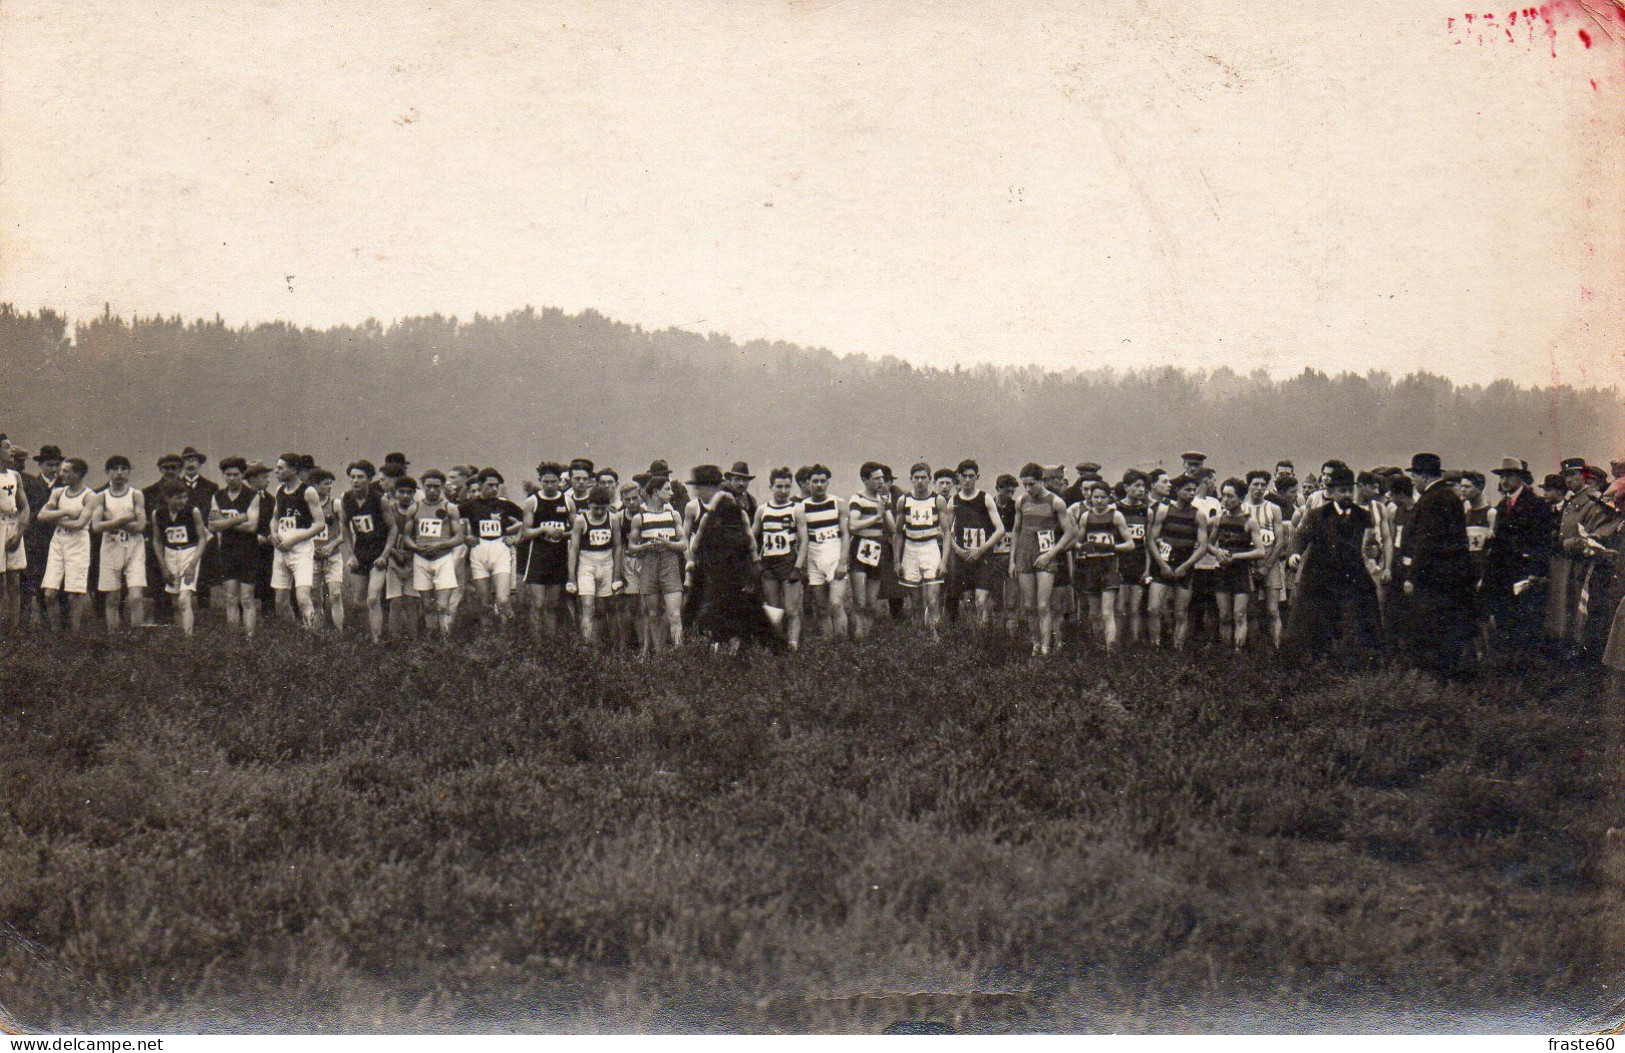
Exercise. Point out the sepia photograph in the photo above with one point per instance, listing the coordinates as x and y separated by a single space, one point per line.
839 517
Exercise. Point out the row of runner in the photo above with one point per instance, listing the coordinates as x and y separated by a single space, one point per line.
629 561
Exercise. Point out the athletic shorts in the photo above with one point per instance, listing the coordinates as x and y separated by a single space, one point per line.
1272 580
822 559
781 568
294 568
1204 582
124 562
490 558
398 580
330 569
432 575
549 563
1025 558
922 563
1232 580
1097 574
17 558
660 573
595 574
67 562
175 560
631 575
1131 567
984 575
867 555
239 556
1179 556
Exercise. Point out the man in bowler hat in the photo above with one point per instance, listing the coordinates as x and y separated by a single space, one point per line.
1516 561
1439 578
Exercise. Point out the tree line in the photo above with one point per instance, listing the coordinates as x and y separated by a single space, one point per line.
532 383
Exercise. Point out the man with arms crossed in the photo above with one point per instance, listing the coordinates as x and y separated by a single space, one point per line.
120 520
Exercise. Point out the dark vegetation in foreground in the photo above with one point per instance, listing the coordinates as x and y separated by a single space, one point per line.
324 835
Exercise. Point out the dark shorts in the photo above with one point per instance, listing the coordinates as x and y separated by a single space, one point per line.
549 563
1131 567
1173 561
1203 582
1233 579
1099 573
867 555
987 575
238 560
781 568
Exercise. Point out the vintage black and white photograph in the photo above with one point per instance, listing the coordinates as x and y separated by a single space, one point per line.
811 516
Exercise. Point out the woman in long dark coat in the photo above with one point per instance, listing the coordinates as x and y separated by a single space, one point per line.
730 606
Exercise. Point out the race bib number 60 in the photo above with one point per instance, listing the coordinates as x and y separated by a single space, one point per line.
490 528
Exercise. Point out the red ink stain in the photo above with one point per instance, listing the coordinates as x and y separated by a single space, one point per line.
1585 38
1586 295
1593 84
1514 17
1469 19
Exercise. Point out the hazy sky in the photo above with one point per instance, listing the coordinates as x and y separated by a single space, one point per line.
1349 186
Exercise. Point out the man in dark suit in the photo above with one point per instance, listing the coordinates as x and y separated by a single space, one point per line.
1439 579
201 490
1513 591
1335 609
37 539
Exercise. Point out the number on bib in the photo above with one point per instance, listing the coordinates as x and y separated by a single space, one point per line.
1476 537
826 533
121 536
490 528
1266 537
1006 543
431 528
1136 531
1046 540
362 524
776 543
175 535
869 552
972 537
288 523
1102 540
1165 550
598 536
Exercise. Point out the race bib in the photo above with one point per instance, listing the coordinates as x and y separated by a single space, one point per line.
776 544
663 533
1476 537
490 529
1165 550
1266 537
322 537
176 535
288 523
826 533
362 524
1102 540
551 524
431 528
1005 544
921 515
972 537
1136 531
121 536
598 536
869 552
1046 540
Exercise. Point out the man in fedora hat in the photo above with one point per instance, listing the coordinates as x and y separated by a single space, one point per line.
1585 520
201 490
736 480
1336 608
1439 580
707 481
37 487
1516 559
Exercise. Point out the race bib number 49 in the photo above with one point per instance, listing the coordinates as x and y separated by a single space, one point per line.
775 544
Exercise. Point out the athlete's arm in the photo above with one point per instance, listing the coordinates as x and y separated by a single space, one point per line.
1015 528
138 501
574 552
863 522
1196 553
1387 534
998 526
318 519
1125 542
898 529
98 520
52 510
459 533
617 582
679 543
1153 534
948 531
845 536
1258 550
247 522
516 521
203 542
801 537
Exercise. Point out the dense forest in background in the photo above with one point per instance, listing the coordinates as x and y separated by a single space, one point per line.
532 384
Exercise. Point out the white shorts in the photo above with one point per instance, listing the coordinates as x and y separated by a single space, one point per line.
631 575
595 574
490 558
175 560
294 568
124 562
17 558
922 562
431 575
822 559
330 569
67 562
398 581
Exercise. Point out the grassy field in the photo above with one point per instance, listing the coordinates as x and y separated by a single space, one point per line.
320 834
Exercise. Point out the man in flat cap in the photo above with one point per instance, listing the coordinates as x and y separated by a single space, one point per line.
1516 560
1439 578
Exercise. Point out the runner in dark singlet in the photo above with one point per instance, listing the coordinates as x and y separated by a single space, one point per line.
1178 537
